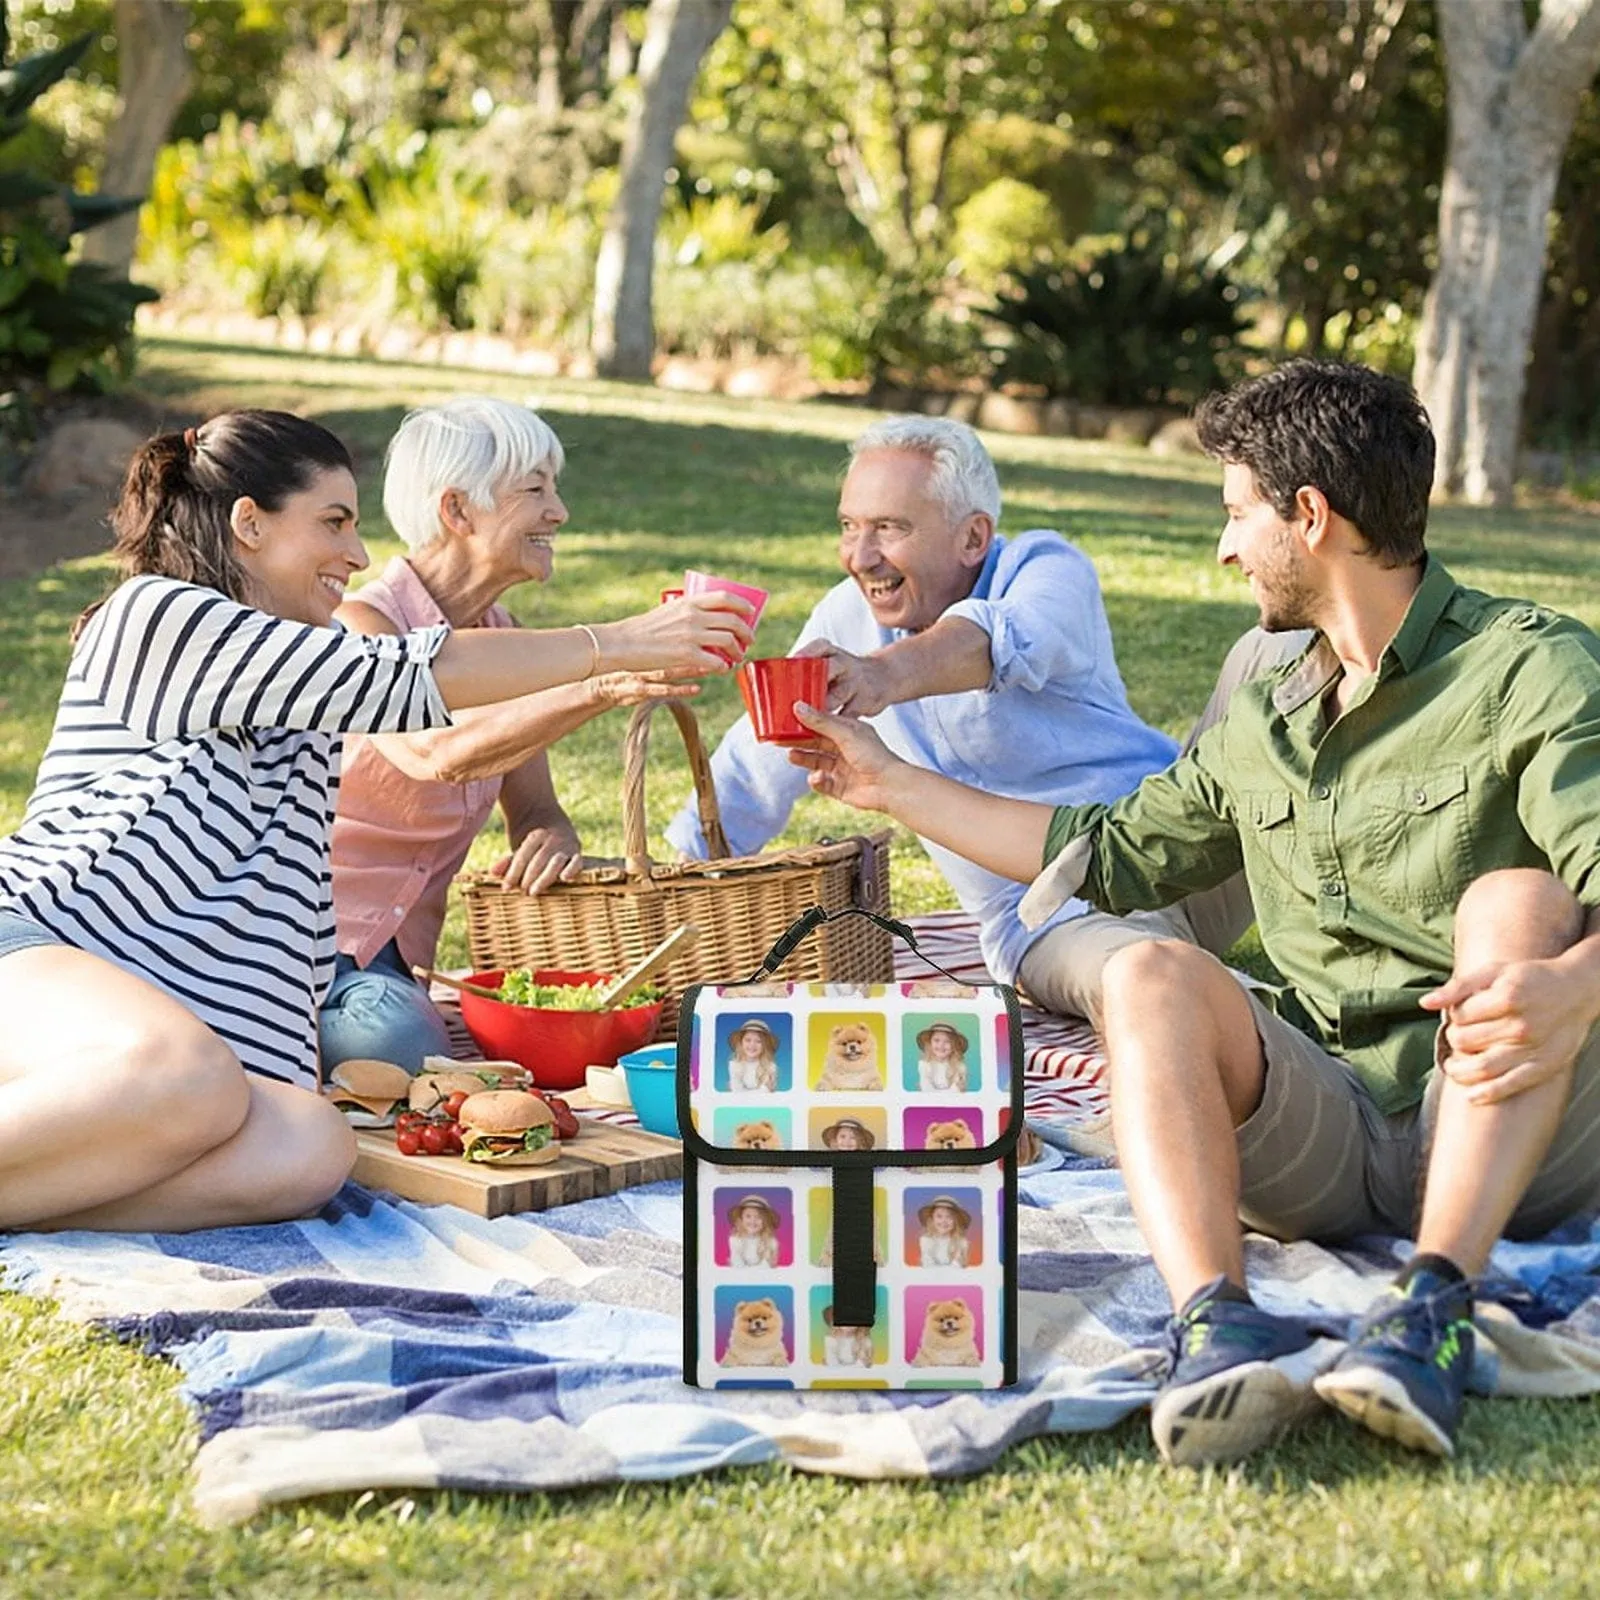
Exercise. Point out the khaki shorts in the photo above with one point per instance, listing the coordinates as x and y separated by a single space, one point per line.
1319 1160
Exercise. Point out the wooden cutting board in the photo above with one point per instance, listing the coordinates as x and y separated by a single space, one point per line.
600 1161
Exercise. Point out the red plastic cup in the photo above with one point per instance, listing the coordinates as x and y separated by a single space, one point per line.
770 688
709 583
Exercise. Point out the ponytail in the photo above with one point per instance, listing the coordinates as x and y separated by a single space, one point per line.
174 516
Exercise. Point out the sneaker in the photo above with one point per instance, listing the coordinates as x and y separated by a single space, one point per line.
1240 1377
1405 1372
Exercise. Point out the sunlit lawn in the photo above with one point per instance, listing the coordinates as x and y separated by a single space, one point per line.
94 1442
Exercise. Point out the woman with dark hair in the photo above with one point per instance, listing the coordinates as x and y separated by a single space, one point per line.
166 926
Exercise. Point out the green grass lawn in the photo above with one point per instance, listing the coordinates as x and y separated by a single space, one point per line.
95 1443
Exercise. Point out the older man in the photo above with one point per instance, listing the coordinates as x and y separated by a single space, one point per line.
987 659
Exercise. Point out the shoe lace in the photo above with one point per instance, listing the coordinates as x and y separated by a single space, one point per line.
1432 1326
1210 1322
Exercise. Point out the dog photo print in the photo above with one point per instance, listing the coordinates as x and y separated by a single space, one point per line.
847 1052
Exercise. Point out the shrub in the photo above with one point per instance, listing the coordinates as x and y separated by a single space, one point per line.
711 231
1132 327
279 265
1005 227
538 278
61 325
435 254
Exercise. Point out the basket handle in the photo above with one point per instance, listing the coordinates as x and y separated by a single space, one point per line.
634 750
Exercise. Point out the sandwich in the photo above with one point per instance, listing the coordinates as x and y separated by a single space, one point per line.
495 1074
429 1090
508 1128
369 1092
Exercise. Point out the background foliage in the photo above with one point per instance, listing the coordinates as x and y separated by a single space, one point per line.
862 185
63 323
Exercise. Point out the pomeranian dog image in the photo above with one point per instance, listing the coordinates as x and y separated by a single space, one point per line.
948 1336
949 1136
757 1135
851 1061
756 1338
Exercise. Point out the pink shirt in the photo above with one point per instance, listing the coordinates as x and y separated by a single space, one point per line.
398 841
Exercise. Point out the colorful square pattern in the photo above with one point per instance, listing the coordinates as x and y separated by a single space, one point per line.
880 1068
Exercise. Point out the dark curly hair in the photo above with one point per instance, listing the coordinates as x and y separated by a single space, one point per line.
1360 437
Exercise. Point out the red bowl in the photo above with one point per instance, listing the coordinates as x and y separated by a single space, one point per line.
557 1047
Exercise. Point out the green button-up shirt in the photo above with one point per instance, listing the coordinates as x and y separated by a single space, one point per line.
1475 746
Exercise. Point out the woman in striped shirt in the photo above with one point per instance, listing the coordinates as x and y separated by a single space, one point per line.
166 925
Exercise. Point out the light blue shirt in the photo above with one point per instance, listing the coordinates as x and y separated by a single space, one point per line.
1053 725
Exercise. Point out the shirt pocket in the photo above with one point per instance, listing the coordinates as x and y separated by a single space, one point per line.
1420 836
1269 840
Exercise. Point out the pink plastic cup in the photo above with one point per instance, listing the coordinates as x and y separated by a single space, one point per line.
772 686
709 583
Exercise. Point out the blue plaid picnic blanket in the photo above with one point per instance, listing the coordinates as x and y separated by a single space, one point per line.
388 1345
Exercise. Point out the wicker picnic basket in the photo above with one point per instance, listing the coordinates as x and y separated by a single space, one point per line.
614 914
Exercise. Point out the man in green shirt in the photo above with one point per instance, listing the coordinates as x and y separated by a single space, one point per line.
1413 802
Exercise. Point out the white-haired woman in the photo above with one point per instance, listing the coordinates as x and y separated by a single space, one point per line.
470 486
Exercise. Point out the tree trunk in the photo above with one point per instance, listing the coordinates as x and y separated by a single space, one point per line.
1513 97
677 35
154 72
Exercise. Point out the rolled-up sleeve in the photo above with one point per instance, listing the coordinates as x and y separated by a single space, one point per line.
173 660
1045 628
1172 836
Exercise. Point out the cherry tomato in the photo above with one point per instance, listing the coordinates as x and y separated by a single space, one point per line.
453 1104
409 1119
566 1118
408 1142
453 1144
435 1140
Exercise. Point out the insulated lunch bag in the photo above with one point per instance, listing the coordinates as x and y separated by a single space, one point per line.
850 1180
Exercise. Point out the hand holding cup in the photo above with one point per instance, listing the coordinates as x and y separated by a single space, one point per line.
693 635
845 760
709 583
771 687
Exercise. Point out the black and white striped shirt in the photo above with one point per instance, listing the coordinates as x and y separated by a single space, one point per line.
179 825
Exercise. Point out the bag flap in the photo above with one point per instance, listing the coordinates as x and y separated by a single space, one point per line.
924 1074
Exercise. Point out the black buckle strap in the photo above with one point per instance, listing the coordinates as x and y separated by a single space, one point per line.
814 917
855 1267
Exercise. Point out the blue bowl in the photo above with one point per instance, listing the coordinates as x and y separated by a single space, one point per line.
652 1075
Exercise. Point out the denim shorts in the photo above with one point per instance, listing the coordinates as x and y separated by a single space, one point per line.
19 933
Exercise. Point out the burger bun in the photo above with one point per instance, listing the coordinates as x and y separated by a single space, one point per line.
505 1114
368 1091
